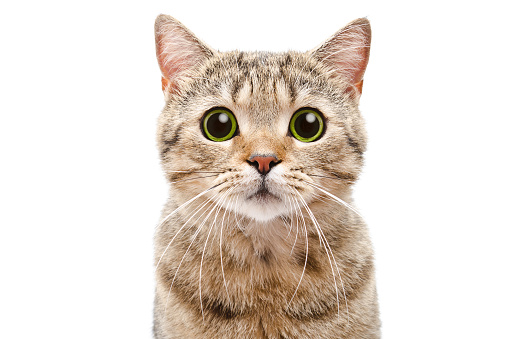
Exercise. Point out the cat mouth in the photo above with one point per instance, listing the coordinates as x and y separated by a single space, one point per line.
263 195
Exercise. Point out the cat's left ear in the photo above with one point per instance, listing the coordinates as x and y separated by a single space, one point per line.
347 52
177 49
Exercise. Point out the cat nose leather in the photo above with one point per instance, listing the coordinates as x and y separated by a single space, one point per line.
263 163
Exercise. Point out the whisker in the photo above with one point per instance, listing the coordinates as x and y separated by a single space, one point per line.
339 200
217 208
187 203
191 243
220 247
196 210
306 251
324 176
322 198
290 225
194 178
325 244
236 215
297 208
330 253
186 252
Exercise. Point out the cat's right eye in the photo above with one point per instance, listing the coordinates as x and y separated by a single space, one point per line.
219 124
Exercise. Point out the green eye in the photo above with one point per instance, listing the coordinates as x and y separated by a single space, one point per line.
307 125
219 124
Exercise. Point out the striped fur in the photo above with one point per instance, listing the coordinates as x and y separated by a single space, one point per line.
298 263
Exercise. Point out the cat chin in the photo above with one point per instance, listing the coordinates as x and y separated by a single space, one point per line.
262 211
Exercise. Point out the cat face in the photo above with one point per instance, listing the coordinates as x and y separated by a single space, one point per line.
259 133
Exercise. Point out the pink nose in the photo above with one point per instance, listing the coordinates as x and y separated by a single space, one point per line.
263 163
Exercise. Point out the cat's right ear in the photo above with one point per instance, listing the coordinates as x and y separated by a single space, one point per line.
177 50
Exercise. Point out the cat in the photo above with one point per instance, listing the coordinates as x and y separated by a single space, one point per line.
258 238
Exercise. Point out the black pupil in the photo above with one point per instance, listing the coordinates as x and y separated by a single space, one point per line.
307 125
219 125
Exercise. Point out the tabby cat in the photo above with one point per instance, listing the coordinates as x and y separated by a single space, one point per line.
258 238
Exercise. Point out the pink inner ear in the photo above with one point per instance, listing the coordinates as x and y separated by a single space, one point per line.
348 52
177 50
351 61
170 65
359 64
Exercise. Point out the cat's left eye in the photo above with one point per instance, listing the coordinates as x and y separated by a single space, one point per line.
219 124
307 125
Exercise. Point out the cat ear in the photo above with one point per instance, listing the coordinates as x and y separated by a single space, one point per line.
347 51
177 50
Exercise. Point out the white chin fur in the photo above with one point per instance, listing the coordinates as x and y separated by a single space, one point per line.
262 211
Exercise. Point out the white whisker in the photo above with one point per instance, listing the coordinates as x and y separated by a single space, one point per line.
186 252
306 251
236 215
290 224
339 200
194 178
330 254
196 210
217 208
220 246
297 209
186 204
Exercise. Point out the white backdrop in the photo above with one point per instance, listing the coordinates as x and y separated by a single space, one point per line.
81 188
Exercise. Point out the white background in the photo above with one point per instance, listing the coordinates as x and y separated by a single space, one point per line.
81 188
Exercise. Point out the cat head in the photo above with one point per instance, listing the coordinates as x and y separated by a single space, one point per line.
259 133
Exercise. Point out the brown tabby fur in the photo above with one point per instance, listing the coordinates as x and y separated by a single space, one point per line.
298 265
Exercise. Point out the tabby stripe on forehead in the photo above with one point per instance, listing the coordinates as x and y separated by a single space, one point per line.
292 92
275 95
236 89
284 73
